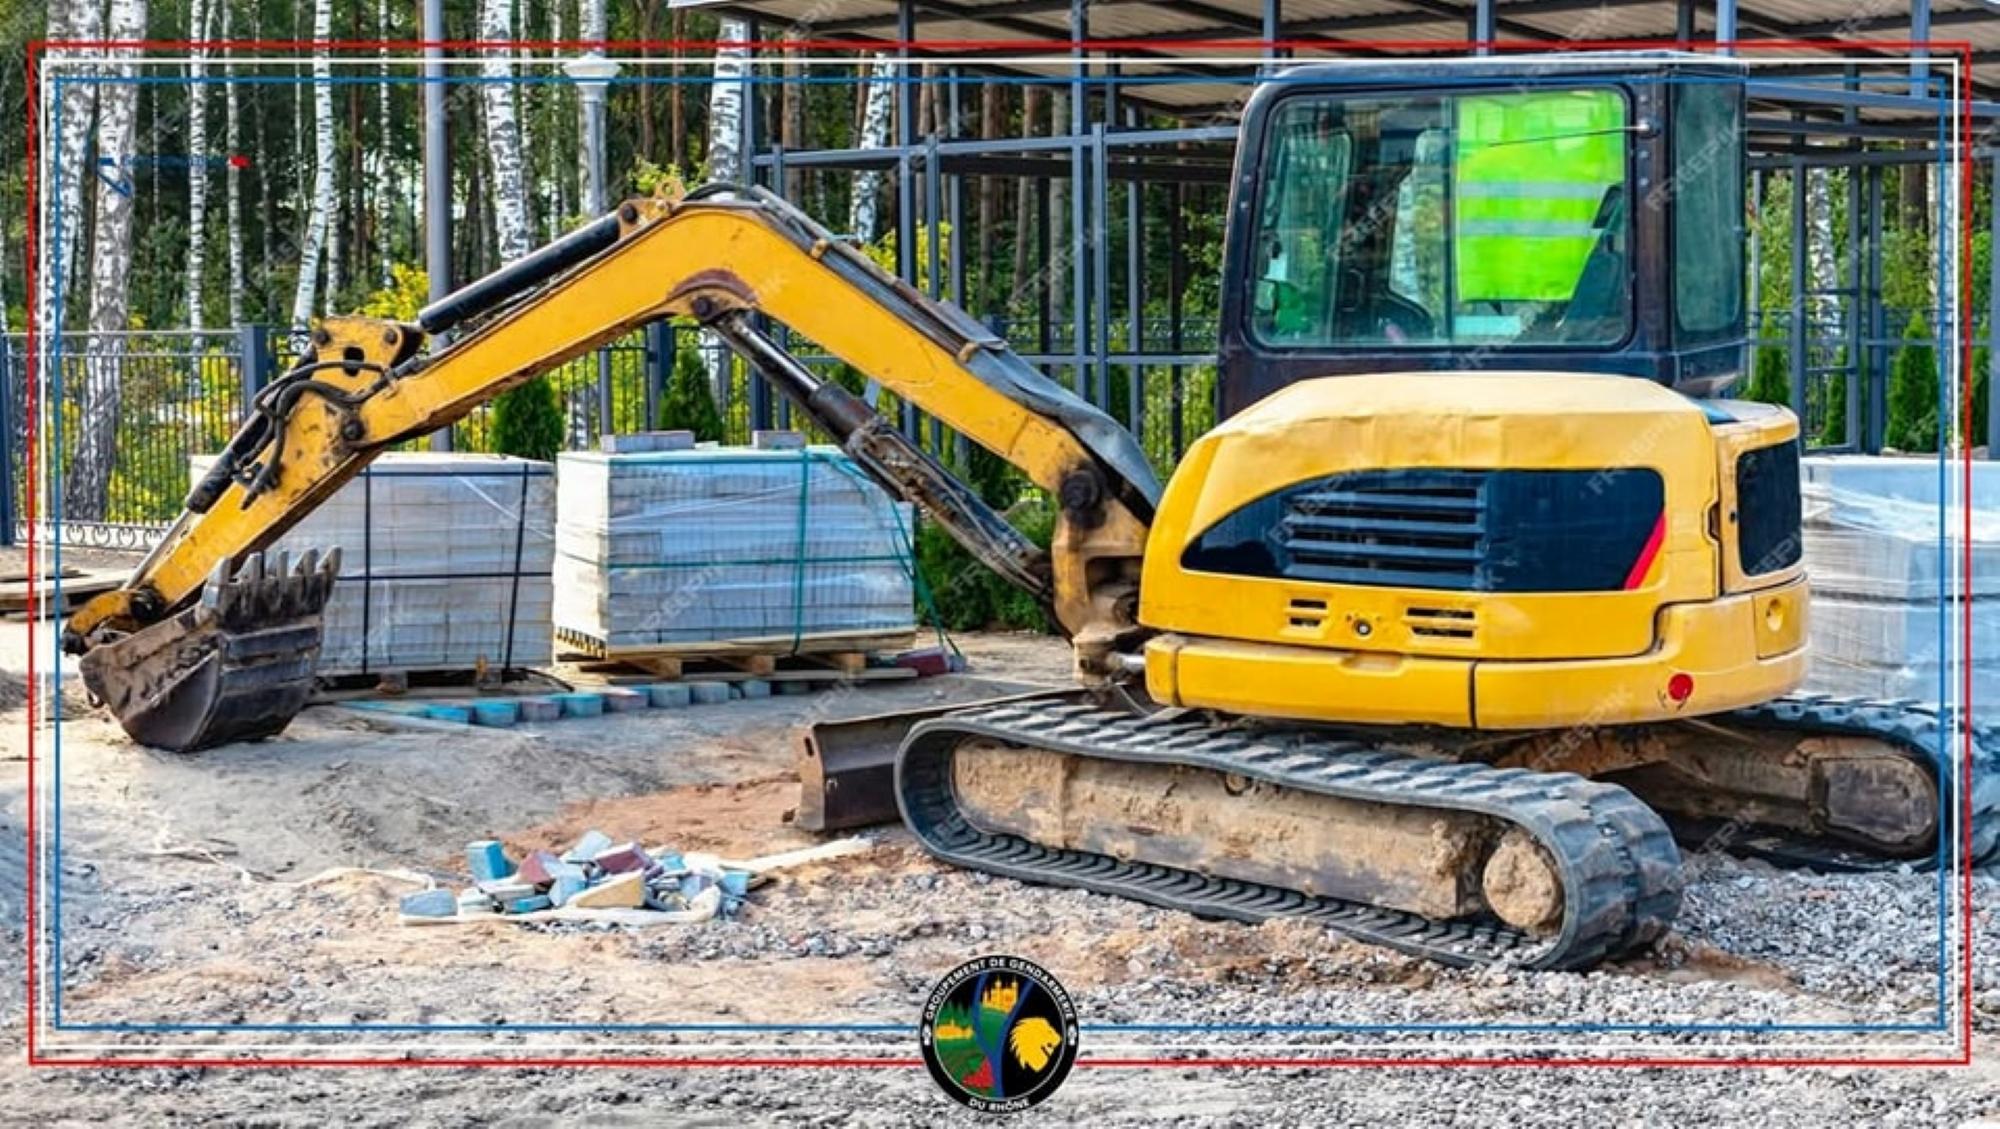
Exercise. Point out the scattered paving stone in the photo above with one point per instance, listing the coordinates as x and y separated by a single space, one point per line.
625 891
592 844
622 859
488 861
430 903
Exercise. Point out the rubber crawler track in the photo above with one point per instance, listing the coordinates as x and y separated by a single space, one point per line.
1923 732
1620 868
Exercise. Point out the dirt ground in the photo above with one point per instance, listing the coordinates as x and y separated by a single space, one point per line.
193 891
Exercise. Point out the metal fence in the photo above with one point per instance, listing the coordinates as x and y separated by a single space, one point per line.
120 414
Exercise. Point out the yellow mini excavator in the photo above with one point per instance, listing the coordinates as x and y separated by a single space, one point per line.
1476 588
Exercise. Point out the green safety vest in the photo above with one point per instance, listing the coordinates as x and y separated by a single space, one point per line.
1531 173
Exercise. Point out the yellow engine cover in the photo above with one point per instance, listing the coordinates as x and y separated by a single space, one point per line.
1286 644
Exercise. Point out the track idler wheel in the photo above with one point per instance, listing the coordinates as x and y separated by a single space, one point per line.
236 666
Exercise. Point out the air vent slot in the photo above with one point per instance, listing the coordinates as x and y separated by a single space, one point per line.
1441 623
1308 614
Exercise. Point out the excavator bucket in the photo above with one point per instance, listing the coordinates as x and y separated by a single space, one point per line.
237 665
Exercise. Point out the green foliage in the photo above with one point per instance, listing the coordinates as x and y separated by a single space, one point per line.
1913 392
650 179
966 594
528 421
1770 377
1833 425
408 290
1982 371
688 404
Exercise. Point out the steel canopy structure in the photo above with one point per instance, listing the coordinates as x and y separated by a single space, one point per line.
1152 89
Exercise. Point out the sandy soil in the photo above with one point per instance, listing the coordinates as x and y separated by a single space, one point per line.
185 898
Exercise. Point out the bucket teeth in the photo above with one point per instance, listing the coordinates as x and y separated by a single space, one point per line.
235 666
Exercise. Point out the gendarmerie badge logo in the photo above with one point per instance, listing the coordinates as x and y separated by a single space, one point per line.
999 1034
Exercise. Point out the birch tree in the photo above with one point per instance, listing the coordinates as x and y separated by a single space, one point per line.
590 20
383 183
725 156
725 102
527 420
503 131
322 199
87 485
233 182
197 248
880 87
62 246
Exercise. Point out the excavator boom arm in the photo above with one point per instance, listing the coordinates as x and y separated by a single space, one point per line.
727 258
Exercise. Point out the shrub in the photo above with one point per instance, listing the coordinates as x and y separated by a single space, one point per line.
1913 392
528 421
689 405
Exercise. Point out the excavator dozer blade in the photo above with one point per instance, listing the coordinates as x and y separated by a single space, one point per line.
847 768
236 666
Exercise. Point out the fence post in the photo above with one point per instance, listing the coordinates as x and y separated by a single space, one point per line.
9 443
661 345
254 360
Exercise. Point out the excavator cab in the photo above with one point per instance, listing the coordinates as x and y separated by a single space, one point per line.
1552 215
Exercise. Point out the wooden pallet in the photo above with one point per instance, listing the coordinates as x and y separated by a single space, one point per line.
427 682
77 585
815 658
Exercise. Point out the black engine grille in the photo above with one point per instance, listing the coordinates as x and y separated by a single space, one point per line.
1414 529
1470 530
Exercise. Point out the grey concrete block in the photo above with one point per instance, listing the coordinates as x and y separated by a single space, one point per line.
754 688
708 693
668 695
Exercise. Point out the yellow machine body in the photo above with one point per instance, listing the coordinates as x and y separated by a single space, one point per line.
1688 632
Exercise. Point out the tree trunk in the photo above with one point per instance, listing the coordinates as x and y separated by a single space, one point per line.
197 245
725 160
590 14
990 97
648 10
62 246
792 120
503 131
879 95
1060 249
233 184
322 198
1916 197
725 103
1822 273
87 490
678 124
1024 200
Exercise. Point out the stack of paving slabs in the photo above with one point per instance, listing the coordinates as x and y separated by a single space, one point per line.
728 550
445 562
596 874
1889 583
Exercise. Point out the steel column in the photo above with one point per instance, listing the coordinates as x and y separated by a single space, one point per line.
1725 22
1799 336
1920 32
906 187
1483 30
437 174
1878 329
1081 378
